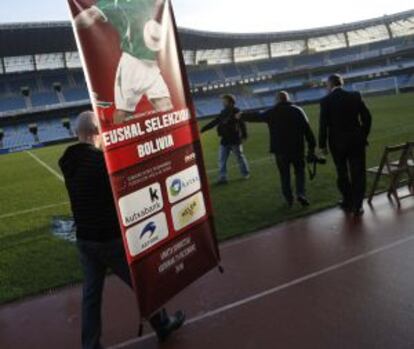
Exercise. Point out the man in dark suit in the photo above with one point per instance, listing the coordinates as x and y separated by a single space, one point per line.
289 128
345 124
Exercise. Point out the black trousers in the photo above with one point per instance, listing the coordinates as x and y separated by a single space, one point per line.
96 258
350 165
284 164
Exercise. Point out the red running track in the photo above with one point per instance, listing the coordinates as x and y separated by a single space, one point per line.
324 281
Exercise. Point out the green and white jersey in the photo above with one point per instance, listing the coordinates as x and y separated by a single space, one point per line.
129 18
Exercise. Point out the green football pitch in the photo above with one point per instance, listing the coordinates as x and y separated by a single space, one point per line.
32 260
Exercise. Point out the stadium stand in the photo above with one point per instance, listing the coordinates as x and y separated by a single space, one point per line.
43 82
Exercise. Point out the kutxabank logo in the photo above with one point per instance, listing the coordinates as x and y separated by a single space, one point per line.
142 204
175 187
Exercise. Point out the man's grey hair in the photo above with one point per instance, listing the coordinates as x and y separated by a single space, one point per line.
283 96
336 80
86 124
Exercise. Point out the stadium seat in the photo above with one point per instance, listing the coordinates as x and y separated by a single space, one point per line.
47 98
75 94
383 66
49 79
12 103
231 72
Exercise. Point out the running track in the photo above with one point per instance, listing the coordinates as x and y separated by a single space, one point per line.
325 281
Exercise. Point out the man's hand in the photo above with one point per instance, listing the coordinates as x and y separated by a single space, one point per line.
239 115
89 17
324 151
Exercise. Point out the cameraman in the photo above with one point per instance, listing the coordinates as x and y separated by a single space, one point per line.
289 127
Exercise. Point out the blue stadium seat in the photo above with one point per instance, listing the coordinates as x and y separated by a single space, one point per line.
246 70
204 77
51 78
309 61
3 88
52 130
272 66
17 83
310 95
230 71
208 106
12 103
79 78
76 94
40 99
406 81
17 136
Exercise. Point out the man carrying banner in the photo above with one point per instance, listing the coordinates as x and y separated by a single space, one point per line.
98 233
140 39
233 133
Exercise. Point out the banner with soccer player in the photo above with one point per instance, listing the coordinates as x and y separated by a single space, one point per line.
137 81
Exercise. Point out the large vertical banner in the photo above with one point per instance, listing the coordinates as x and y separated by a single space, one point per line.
136 76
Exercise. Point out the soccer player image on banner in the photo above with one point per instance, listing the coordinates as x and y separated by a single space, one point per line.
140 39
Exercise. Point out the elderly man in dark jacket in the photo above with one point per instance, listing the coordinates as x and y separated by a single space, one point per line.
289 128
345 124
233 133
98 232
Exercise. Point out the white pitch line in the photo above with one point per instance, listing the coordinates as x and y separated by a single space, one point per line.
46 166
32 210
42 208
277 289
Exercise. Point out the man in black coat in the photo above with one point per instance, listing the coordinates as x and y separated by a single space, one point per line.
345 124
289 128
233 133
98 232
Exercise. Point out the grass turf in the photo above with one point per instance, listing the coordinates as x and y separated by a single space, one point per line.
32 260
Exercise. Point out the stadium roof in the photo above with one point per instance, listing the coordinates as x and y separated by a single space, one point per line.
37 38
195 39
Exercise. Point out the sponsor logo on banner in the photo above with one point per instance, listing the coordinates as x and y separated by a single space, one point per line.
183 184
137 206
189 211
147 234
176 187
190 157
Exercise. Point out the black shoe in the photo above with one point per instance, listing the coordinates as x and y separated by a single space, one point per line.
222 182
173 324
345 206
303 201
359 212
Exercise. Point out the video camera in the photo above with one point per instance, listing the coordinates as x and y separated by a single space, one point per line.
313 161
316 159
